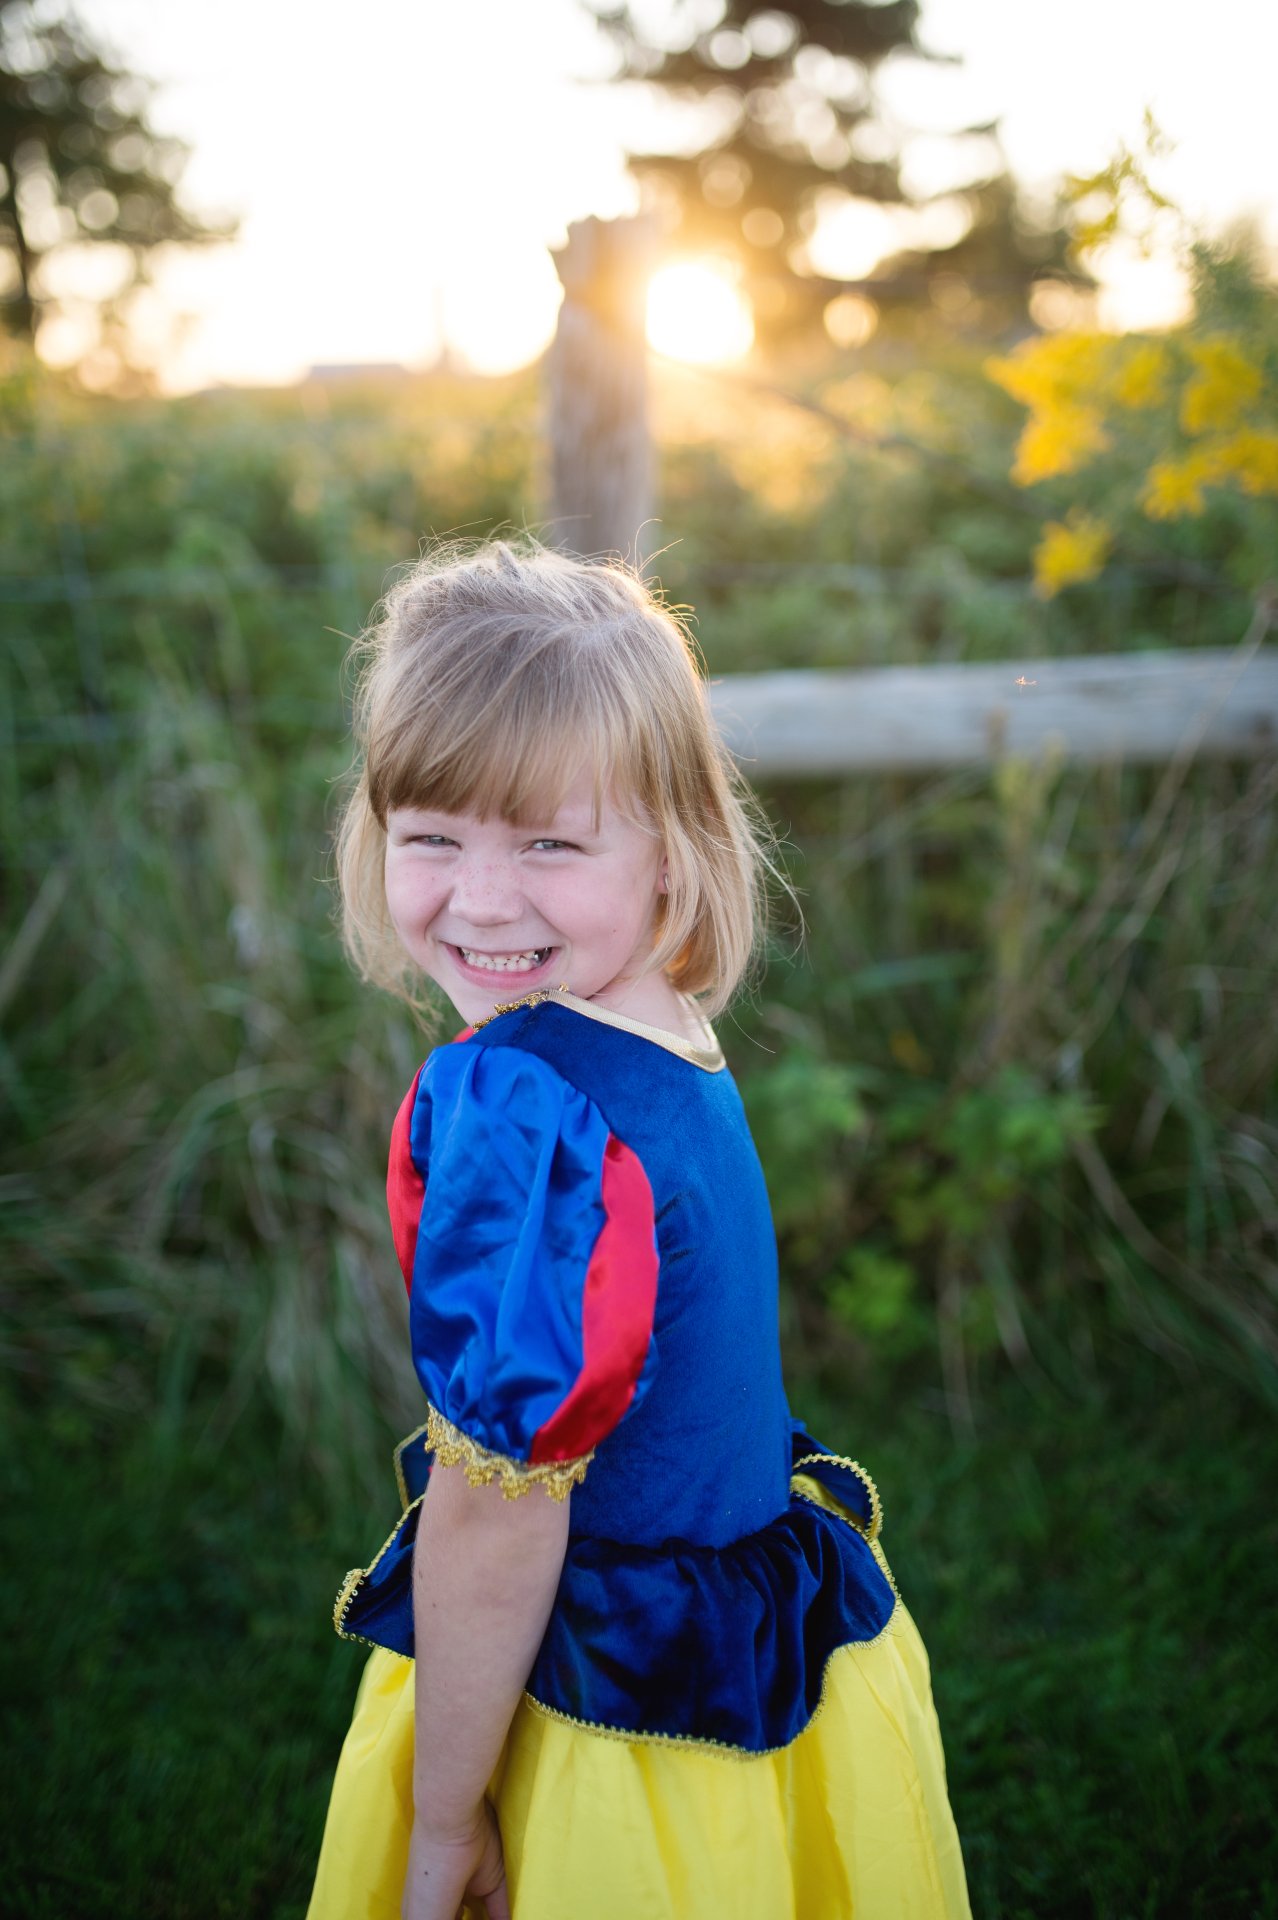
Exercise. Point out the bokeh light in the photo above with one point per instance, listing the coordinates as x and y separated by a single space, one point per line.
850 320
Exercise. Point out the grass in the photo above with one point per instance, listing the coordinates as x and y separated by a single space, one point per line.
1095 1580
174 1720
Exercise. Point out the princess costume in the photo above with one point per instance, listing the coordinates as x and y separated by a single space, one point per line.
730 1713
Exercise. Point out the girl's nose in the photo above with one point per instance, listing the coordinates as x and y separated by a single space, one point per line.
485 893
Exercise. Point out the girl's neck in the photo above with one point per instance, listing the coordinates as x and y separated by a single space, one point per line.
653 1002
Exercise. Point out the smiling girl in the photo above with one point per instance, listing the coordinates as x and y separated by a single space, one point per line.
489 906
624 1580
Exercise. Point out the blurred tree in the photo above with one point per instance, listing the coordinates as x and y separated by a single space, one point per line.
785 127
80 165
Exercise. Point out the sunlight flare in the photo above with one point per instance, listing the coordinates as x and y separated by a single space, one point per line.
697 312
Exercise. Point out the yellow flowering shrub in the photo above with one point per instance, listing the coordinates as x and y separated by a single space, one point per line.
1248 458
1174 488
1190 413
1224 384
1059 369
1070 550
1058 439
1142 376
1068 382
1163 427
1251 458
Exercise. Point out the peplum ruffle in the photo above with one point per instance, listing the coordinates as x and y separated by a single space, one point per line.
722 1646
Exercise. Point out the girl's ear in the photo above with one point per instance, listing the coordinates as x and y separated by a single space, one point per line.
665 877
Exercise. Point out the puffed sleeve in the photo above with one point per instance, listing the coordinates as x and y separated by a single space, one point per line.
525 1230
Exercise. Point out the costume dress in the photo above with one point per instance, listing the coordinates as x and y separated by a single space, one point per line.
730 1713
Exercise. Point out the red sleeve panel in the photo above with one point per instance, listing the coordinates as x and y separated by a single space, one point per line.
619 1302
405 1187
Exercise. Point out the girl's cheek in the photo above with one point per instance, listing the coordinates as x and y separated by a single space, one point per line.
394 891
407 900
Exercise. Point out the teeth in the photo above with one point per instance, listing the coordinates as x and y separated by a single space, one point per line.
505 962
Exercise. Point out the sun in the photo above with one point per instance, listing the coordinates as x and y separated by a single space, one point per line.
697 312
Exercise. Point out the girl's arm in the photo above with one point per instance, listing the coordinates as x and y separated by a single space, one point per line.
485 1572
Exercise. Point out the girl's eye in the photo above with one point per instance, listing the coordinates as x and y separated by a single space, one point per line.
429 840
553 843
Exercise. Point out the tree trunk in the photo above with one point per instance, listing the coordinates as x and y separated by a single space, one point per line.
21 305
601 455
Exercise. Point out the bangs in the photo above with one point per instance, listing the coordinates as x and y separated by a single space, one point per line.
510 751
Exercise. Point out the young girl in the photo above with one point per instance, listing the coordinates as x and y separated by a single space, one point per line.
637 1649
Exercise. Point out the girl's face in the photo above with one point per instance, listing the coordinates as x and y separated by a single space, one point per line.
490 910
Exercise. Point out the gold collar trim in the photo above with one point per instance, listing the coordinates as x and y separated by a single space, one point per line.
709 1057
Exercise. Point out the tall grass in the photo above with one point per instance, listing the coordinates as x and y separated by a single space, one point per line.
1015 1095
201 1097
1041 1006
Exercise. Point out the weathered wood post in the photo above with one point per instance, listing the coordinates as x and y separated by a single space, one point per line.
600 449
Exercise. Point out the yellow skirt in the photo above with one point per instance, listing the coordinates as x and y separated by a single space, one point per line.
851 1819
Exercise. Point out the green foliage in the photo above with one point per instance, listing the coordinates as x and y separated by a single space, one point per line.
1120 198
802 1111
957 1160
879 1181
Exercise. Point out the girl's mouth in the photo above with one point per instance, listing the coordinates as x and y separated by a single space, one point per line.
511 965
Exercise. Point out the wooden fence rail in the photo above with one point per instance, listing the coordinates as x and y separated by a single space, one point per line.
1103 707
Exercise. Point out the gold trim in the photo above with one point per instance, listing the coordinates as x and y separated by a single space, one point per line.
724 1747
418 1433
888 1575
453 1448
533 999
875 1526
346 1592
709 1057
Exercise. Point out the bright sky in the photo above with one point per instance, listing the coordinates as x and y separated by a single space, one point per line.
401 167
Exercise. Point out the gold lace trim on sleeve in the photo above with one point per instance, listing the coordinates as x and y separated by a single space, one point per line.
453 1448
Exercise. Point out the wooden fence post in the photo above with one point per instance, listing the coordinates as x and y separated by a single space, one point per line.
600 449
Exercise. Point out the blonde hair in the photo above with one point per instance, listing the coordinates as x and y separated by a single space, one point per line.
488 677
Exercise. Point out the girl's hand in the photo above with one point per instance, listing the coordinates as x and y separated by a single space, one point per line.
445 1869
